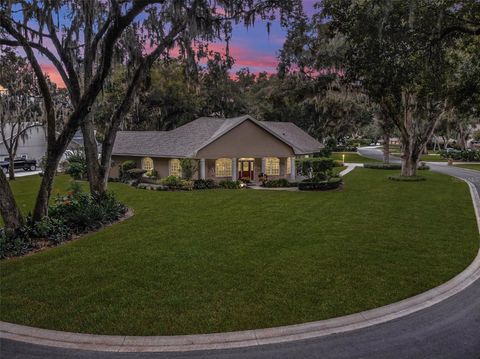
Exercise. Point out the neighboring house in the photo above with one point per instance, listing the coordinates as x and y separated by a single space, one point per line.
33 144
231 148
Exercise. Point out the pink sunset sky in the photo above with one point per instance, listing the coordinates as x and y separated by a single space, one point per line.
254 47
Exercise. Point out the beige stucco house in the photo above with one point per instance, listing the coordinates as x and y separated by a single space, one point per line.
230 148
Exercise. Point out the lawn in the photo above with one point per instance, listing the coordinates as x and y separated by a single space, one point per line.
431 157
351 157
470 166
222 260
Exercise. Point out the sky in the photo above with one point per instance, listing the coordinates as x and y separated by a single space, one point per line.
252 47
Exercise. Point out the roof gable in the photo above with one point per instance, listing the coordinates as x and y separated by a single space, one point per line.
189 139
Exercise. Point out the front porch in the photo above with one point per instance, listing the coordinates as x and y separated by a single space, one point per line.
247 168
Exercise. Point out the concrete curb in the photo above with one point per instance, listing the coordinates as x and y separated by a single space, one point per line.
248 338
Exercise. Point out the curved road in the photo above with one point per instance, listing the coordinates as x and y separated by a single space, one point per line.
450 329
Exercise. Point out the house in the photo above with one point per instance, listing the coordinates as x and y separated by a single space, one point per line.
32 143
225 148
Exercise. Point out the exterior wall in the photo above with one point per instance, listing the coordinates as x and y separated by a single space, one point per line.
160 164
246 140
34 146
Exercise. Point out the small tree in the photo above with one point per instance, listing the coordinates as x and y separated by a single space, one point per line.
20 104
189 167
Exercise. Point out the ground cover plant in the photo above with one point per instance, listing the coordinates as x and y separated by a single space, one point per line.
73 213
213 261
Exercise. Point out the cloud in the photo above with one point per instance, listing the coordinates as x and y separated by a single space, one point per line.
53 74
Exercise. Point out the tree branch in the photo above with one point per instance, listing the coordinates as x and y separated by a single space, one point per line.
42 82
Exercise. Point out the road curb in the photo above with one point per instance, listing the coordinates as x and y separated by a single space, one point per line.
182 343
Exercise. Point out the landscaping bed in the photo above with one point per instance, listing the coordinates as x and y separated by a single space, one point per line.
213 261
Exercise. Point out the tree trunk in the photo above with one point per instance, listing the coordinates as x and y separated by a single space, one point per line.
386 148
409 166
11 215
95 173
41 205
11 168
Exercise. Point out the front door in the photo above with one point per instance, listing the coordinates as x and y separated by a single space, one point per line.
245 169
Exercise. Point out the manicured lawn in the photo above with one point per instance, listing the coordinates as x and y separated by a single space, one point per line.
432 157
351 157
222 260
470 166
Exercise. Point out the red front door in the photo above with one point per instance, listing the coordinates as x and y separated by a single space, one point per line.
245 169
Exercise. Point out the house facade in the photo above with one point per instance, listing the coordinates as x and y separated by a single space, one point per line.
32 143
232 148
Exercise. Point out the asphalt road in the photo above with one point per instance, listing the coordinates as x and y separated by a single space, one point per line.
450 329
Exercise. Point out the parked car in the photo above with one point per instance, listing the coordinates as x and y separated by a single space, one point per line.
19 163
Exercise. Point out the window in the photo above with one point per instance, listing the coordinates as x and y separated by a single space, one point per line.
175 168
223 167
272 166
147 164
289 166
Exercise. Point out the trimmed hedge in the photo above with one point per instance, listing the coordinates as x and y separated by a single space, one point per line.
331 184
204 184
282 182
461 155
229 184
383 166
400 178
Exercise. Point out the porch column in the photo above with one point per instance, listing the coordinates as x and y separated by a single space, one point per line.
202 168
264 165
234 169
293 172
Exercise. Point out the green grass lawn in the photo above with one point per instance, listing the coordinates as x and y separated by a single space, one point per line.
470 166
351 157
222 260
431 157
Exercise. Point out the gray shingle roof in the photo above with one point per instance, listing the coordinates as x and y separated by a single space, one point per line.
187 140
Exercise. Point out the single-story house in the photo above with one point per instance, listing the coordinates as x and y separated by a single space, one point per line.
225 148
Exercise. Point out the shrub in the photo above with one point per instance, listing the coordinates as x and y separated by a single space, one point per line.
18 243
324 152
186 185
152 173
400 178
331 184
317 169
172 182
461 155
229 184
204 184
71 214
135 173
82 212
263 177
76 165
124 168
189 167
337 163
282 182
331 142
383 166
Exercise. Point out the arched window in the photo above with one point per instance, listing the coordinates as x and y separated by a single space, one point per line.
175 168
223 167
147 164
272 166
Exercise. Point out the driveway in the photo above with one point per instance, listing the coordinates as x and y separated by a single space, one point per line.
449 329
